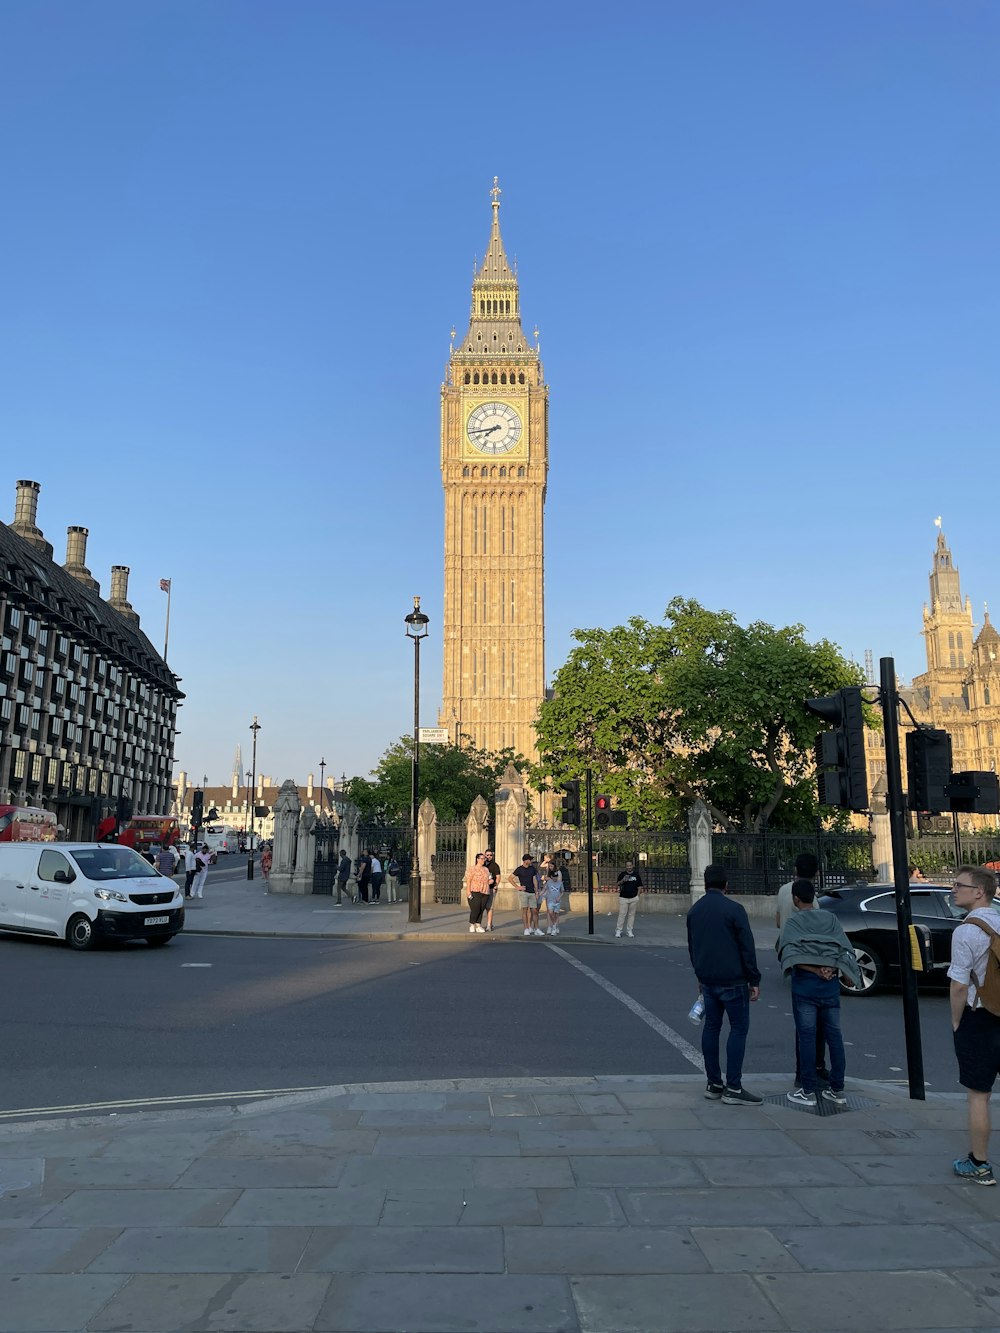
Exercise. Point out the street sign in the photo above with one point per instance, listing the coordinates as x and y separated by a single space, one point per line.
434 735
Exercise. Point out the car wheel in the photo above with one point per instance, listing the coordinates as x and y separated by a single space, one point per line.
80 932
872 971
158 941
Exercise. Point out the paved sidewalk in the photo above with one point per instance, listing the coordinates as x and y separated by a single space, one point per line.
234 905
605 1205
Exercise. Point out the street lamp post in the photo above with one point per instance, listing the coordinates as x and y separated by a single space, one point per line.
416 629
322 770
254 727
246 818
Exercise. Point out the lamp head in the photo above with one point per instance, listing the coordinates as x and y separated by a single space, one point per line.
416 622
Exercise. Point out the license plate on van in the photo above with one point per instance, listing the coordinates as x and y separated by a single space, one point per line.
156 921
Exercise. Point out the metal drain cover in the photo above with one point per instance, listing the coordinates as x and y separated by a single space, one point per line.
823 1107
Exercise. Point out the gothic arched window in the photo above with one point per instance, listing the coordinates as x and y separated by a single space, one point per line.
986 695
465 471
494 377
503 377
467 377
520 471
475 378
520 378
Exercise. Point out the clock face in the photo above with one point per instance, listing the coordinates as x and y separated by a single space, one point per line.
493 428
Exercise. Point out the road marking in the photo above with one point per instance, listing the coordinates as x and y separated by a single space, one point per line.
668 1034
156 1101
196 964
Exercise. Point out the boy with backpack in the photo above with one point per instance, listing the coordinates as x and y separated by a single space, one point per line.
975 1011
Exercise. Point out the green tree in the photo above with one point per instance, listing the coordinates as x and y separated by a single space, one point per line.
699 706
450 777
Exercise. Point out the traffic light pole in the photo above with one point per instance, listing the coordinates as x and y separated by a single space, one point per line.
901 877
590 853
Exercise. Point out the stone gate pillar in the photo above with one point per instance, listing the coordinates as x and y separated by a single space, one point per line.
427 823
881 832
475 830
511 808
286 820
699 847
349 821
305 854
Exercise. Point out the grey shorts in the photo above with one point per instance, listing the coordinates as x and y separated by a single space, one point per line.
525 899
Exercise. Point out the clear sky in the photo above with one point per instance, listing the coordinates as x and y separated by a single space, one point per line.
759 240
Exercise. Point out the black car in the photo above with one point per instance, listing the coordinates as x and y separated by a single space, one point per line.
868 914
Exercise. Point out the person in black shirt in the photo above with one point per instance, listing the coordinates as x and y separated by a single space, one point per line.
721 948
494 870
525 880
629 888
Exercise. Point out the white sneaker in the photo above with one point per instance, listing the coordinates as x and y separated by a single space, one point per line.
555 930
801 1098
618 934
528 932
480 930
539 931
472 930
630 934
548 930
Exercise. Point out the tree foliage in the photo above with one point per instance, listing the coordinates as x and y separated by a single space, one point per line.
699 706
451 777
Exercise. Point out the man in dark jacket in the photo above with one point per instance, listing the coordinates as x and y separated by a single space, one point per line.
720 943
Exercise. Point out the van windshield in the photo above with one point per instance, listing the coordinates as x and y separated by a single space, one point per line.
111 862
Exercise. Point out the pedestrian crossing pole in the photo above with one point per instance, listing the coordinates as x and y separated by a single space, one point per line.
895 805
590 852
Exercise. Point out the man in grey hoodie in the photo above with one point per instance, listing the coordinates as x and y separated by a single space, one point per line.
814 949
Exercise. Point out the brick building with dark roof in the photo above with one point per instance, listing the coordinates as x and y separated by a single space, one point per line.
88 707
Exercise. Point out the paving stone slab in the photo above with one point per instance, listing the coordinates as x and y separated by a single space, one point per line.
334 1141
679 1303
602 1250
204 1250
715 1207
583 1207
340 1206
21 1175
736 1142
774 1171
404 1250
413 1172
873 1248
556 1103
644 1099
431 1207
527 1173
986 1234
393 1143
540 1142
26 1212
52 1250
599 1103
512 1104
115 1173
624 1171
744 1250
840 1205
498 1207
673 1118
860 1302
161 1303
141 1208
984 1285
413 1120
263 1172
922 1170
54 1302
138 1144
452 1303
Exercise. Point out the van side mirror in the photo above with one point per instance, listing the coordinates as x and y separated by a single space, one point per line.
64 877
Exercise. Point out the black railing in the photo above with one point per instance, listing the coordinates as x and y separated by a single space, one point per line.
934 853
448 863
762 862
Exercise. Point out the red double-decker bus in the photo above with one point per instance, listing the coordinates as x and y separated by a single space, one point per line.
23 823
143 831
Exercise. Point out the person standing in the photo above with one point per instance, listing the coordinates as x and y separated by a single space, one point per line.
525 880
376 866
976 1029
363 875
477 888
494 873
806 867
629 888
165 862
190 869
722 953
343 874
392 872
203 860
813 948
266 862
553 898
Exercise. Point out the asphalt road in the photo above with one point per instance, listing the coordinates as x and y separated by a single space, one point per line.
213 1015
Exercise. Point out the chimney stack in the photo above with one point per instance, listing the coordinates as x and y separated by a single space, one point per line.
119 593
76 557
25 513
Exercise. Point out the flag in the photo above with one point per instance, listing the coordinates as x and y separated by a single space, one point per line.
164 585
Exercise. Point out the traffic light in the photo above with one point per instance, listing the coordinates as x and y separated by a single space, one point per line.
841 776
571 803
602 811
928 769
197 807
974 793
123 809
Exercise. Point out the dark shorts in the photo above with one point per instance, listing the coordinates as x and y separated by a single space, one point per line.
977 1046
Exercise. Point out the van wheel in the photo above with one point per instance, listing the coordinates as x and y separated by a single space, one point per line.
80 932
158 941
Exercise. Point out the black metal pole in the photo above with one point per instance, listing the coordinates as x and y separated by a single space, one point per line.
901 878
414 897
957 834
254 727
590 854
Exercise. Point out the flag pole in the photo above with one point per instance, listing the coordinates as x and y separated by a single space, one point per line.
166 633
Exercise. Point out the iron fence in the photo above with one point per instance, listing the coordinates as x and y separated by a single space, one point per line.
325 863
762 862
661 856
935 853
448 863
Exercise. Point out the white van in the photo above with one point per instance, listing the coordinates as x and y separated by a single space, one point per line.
221 838
82 892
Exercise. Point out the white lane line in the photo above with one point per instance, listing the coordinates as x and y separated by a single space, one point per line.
196 965
157 1101
668 1034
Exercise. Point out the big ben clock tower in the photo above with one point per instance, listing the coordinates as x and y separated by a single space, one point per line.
494 463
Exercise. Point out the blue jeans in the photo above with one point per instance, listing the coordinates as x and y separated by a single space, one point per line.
734 1003
815 1002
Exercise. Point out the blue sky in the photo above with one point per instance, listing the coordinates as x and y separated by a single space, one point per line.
759 241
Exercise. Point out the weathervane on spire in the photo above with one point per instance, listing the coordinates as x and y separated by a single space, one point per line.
937 521
496 192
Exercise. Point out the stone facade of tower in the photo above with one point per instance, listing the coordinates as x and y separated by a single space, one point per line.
494 467
960 690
